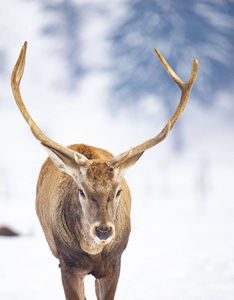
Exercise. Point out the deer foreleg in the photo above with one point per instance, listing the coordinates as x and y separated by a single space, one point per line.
106 286
73 284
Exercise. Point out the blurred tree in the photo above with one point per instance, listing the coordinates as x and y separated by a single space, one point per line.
181 30
64 26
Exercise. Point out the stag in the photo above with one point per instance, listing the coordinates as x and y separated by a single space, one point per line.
83 201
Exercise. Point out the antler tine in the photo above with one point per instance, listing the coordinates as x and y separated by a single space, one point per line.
39 135
15 82
185 92
184 87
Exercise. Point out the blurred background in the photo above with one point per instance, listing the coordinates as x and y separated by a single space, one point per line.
92 77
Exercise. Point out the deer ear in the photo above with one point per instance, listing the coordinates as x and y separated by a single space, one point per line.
65 163
123 165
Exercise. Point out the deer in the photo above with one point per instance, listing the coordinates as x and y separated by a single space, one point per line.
83 201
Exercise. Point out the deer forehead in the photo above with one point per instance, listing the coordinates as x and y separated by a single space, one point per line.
100 174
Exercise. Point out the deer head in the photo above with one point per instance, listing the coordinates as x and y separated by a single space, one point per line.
99 182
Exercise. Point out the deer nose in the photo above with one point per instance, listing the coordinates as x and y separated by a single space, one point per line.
103 234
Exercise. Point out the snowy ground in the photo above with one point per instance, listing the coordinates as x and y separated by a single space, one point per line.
173 253
181 247
182 241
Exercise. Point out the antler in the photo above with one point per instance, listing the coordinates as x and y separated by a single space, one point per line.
128 157
45 141
185 91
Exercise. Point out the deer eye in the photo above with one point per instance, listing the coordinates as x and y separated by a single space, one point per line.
118 193
81 193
